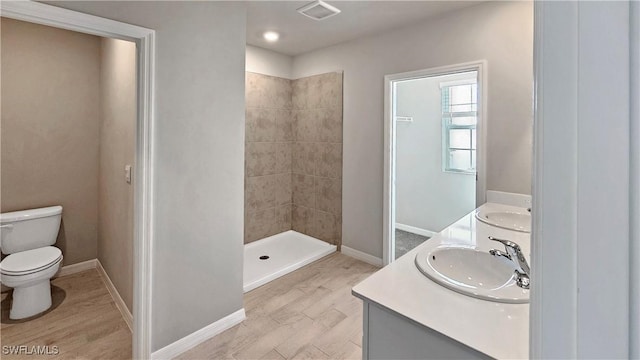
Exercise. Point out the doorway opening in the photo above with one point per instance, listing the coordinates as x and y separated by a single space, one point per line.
435 160
144 39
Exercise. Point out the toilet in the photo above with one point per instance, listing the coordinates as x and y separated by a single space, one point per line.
26 238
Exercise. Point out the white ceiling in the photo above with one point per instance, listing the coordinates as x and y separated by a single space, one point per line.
299 34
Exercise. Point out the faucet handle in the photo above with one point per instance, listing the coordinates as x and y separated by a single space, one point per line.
517 252
522 280
507 243
514 253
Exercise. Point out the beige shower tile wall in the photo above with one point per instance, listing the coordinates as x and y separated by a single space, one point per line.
268 155
317 157
293 156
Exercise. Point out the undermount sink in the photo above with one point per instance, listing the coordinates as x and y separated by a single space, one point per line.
506 219
472 272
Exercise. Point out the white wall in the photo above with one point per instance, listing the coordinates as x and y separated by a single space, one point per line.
635 181
267 62
199 160
580 239
427 197
499 32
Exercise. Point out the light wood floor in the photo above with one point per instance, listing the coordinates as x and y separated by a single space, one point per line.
307 314
83 322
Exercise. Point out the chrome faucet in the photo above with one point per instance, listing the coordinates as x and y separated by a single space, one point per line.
514 253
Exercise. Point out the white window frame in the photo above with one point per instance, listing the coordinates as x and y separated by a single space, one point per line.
446 127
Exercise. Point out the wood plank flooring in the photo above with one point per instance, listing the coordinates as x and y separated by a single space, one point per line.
307 314
84 322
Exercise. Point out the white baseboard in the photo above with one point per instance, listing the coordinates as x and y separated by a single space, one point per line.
416 230
192 340
120 304
95 264
512 199
76 268
370 259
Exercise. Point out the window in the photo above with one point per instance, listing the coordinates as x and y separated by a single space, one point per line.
459 120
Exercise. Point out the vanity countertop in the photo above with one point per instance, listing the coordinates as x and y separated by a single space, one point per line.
498 330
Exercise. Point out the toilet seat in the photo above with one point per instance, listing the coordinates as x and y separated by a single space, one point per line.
30 261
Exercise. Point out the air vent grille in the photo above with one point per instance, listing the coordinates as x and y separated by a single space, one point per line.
318 10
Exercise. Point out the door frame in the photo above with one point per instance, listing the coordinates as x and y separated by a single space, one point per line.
389 196
585 181
144 38
634 211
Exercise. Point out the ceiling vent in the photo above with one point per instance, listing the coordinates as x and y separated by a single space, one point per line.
318 10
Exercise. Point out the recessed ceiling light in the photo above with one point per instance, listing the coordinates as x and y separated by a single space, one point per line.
318 10
271 36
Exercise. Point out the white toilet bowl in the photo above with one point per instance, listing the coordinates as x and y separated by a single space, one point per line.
27 237
28 273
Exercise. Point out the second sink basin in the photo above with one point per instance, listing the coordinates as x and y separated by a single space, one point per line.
472 272
512 219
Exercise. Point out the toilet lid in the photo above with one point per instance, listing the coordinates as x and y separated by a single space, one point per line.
30 260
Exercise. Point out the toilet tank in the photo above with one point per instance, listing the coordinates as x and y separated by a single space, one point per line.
29 229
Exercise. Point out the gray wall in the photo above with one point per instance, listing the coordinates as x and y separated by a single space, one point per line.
50 129
198 164
267 62
427 197
117 149
499 32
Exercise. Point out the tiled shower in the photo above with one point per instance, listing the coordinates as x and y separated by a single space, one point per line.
293 157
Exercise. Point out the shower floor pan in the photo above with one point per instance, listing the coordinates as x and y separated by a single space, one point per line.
270 258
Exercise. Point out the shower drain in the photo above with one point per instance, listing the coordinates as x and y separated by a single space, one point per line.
264 257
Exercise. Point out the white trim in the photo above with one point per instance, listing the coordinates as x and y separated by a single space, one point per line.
507 198
76 268
54 16
634 219
143 193
362 256
388 250
580 181
143 199
535 301
458 82
562 52
389 191
416 230
115 295
194 339
95 264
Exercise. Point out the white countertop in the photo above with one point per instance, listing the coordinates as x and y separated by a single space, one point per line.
498 330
